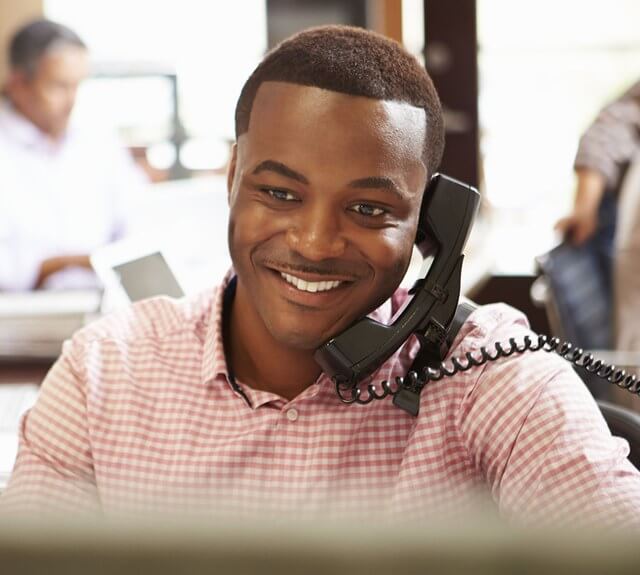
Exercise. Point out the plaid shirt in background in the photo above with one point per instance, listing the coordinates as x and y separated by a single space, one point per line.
613 139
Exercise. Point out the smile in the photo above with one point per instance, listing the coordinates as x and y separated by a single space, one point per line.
309 286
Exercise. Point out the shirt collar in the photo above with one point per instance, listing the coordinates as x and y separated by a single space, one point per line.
24 131
214 363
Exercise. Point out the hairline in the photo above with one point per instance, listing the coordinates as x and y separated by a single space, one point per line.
59 44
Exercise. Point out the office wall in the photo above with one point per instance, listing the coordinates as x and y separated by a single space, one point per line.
12 14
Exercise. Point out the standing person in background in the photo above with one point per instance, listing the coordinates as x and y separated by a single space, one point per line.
62 187
609 181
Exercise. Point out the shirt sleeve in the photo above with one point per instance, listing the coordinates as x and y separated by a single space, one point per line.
539 438
613 138
54 468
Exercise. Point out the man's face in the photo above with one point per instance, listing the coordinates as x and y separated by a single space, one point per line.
325 192
47 96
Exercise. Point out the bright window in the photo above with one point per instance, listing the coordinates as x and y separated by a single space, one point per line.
212 47
545 70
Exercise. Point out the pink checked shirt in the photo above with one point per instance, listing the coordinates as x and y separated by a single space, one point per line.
138 415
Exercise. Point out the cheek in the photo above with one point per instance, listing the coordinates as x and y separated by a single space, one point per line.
53 100
249 227
392 252
390 260
239 237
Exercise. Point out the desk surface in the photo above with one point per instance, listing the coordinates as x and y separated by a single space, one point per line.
477 546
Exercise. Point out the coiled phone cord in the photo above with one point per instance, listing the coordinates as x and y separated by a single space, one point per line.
349 392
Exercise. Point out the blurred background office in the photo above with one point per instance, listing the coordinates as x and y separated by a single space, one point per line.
520 83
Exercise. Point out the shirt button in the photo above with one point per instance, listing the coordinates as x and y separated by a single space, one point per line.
292 414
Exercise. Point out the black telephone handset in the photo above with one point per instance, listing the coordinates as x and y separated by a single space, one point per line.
434 316
446 215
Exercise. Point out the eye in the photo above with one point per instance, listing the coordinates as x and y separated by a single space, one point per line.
368 210
280 195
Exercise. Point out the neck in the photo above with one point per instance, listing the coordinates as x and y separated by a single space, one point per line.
261 362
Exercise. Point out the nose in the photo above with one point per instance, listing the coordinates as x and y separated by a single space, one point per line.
316 234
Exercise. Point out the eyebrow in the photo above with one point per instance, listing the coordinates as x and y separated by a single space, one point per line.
280 168
372 182
378 182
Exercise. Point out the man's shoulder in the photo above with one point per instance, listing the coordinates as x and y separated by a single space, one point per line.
494 320
483 321
154 318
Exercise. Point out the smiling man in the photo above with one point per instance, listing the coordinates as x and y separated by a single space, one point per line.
216 403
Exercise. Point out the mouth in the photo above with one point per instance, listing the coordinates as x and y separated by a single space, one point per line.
310 290
310 286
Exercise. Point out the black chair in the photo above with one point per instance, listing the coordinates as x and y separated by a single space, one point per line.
626 424
622 421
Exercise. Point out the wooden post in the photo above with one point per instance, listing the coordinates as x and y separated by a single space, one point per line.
14 13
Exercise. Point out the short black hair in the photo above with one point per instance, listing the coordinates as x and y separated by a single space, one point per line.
35 39
352 61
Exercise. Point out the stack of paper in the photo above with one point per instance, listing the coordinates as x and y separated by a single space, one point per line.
35 324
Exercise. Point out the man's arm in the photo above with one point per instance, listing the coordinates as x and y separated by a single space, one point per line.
607 145
537 435
581 224
54 467
53 265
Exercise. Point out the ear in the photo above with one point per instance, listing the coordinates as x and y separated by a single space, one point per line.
231 170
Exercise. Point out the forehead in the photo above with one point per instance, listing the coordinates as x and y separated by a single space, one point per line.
65 60
288 115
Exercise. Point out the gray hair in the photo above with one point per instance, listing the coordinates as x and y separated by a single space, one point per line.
36 39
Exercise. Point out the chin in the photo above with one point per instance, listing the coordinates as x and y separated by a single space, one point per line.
301 340
301 337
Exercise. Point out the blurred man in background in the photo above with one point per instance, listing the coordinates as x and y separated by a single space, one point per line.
63 187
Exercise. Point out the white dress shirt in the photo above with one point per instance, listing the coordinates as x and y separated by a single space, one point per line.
58 198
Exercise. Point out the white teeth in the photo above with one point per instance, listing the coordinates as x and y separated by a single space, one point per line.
312 287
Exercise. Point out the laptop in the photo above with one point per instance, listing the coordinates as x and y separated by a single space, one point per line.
132 270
